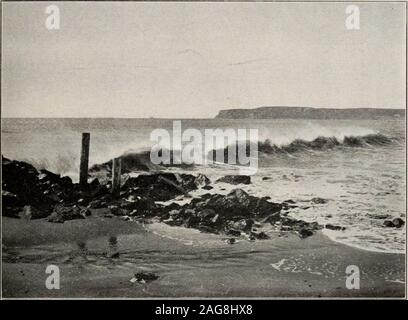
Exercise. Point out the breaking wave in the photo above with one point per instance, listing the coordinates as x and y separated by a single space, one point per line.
66 160
319 144
327 143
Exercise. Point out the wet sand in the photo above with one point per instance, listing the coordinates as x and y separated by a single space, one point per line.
188 263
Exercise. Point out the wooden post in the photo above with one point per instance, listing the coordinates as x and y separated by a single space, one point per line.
83 168
116 171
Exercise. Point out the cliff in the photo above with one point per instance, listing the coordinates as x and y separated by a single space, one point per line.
309 113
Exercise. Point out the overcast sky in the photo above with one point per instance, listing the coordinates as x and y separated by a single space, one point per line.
187 60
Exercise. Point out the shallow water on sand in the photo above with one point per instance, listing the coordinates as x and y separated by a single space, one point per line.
189 263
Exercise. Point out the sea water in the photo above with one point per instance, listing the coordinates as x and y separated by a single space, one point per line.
363 183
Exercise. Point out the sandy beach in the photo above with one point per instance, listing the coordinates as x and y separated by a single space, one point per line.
283 266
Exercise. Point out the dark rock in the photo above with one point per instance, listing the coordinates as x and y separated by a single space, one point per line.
207 229
398 222
82 202
85 212
115 210
11 212
162 186
304 233
46 175
174 213
388 223
215 212
202 181
9 199
395 223
266 178
67 181
206 219
113 255
140 205
232 232
95 204
319 200
286 206
192 222
215 219
144 277
262 207
243 224
251 237
173 222
236 203
332 227
189 212
297 225
260 235
21 179
52 196
94 182
41 189
235 179
30 212
379 216
272 219
207 187
230 241
206 213
172 206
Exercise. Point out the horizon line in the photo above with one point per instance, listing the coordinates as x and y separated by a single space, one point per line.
187 118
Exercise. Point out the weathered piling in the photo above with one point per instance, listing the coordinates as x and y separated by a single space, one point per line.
116 172
83 168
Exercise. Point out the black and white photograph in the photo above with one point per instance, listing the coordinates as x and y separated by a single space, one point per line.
203 150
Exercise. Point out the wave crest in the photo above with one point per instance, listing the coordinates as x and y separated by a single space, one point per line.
326 143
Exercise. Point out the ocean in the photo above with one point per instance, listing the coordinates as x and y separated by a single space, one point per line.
357 166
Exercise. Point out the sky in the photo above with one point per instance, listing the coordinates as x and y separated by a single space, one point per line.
190 60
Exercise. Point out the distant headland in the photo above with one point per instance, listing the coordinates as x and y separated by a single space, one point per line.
309 113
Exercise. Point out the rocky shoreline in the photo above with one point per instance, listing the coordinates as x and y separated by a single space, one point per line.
29 193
